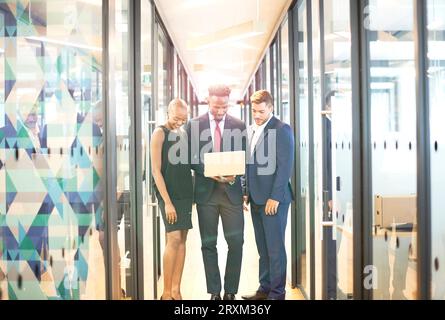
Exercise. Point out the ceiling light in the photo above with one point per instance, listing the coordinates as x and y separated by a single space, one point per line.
191 4
241 31
92 2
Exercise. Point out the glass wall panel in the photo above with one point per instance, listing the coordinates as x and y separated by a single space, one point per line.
268 81
317 147
51 150
338 107
303 118
285 72
436 76
235 110
147 127
275 84
164 69
123 127
393 141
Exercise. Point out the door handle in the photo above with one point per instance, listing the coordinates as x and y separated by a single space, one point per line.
153 205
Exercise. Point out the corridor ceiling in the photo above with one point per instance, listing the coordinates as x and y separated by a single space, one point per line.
222 41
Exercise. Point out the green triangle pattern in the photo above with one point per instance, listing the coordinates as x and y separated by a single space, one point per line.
11 293
10 187
23 16
10 30
41 220
9 74
23 133
59 64
27 244
96 178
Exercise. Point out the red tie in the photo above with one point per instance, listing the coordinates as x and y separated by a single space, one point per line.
217 137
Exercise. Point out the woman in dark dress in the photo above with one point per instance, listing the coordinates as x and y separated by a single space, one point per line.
174 190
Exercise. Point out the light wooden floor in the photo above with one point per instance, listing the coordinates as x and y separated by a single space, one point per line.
194 284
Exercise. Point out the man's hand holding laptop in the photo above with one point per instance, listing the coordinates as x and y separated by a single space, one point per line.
225 179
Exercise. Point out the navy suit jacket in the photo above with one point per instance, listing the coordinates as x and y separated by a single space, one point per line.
204 186
274 182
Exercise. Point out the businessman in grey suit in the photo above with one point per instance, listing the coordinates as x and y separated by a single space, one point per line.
217 131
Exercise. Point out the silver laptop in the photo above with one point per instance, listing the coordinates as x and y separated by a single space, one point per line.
231 163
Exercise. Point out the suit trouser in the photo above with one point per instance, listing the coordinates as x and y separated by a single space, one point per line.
269 237
233 225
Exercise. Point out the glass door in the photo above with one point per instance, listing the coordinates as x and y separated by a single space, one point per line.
303 124
392 102
163 92
147 125
336 138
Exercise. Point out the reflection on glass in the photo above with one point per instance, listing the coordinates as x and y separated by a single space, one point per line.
275 93
436 77
163 97
268 77
285 117
123 127
303 119
393 142
235 110
147 127
318 163
338 130
51 150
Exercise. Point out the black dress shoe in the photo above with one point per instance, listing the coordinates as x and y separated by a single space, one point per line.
257 296
215 296
229 296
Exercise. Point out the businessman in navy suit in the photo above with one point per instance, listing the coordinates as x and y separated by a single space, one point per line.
217 131
269 167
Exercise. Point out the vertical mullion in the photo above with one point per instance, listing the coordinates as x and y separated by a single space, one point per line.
136 168
293 117
357 143
423 152
155 85
297 175
365 214
311 148
325 147
109 180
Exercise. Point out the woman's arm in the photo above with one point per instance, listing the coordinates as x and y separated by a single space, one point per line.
157 140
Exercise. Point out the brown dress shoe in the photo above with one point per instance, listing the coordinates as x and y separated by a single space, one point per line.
257 296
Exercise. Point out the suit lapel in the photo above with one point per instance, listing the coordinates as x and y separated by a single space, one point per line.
263 136
249 142
226 132
205 125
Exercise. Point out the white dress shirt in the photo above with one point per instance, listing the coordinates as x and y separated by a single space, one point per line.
213 125
257 131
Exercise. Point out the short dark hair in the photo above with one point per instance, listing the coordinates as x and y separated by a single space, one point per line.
261 96
219 90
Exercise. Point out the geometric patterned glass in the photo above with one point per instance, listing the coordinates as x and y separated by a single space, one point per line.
51 150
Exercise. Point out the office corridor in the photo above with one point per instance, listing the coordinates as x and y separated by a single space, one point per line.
84 84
